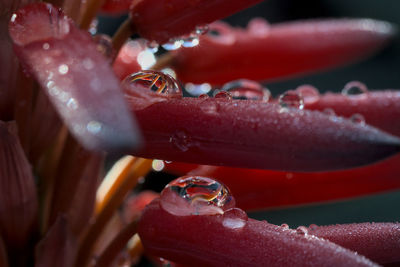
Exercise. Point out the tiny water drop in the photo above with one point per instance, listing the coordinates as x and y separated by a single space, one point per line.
94 127
72 104
203 96
173 44
152 80
234 218
181 140
190 41
201 29
63 69
196 195
313 226
247 90
197 89
301 230
46 46
309 93
357 118
222 94
354 88
93 26
157 165
285 226
104 45
291 99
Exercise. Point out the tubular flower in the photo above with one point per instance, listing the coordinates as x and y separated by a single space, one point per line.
89 122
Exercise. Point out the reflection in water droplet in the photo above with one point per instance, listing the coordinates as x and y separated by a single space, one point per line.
104 45
197 89
94 127
152 80
329 111
354 88
301 230
180 140
291 99
173 44
170 72
157 165
63 69
247 89
357 118
195 195
201 29
222 94
234 218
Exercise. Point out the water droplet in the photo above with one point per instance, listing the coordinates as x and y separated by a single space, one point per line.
354 88
157 165
285 226
63 69
291 99
190 41
173 44
329 111
201 29
203 96
104 45
195 195
234 218
94 127
72 104
170 72
46 46
310 93
313 226
247 89
222 94
181 140
13 17
357 118
197 89
93 26
152 46
301 230
152 80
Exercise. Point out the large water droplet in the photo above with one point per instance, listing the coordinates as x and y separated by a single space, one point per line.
195 195
291 99
157 165
357 118
181 140
309 93
354 88
197 89
247 90
104 45
222 94
173 44
152 80
234 218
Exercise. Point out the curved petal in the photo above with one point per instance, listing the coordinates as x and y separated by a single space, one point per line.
159 20
254 134
75 76
279 51
217 243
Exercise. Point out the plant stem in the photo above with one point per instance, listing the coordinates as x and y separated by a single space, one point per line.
124 31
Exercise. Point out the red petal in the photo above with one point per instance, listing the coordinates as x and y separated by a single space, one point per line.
161 20
253 134
379 242
260 189
285 50
116 7
127 60
76 78
204 241
379 108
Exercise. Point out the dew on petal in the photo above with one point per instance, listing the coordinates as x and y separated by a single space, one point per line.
247 90
354 88
301 230
203 96
152 46
173 44
181 140
104 45
46 46
313 226
94 127
198 89
222 94
196 195
152 80
201 29
291 99
234 218
357 118
258 27
285 226
93 26
310 93
63 69
157 165
190 41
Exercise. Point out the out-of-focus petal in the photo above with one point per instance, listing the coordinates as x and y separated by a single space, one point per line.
136 203
75 76
127 60
116 7
279 51
159 20
58 247
217 240
253 134
379 242
18 200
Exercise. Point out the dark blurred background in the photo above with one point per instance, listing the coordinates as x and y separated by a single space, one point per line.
378 72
